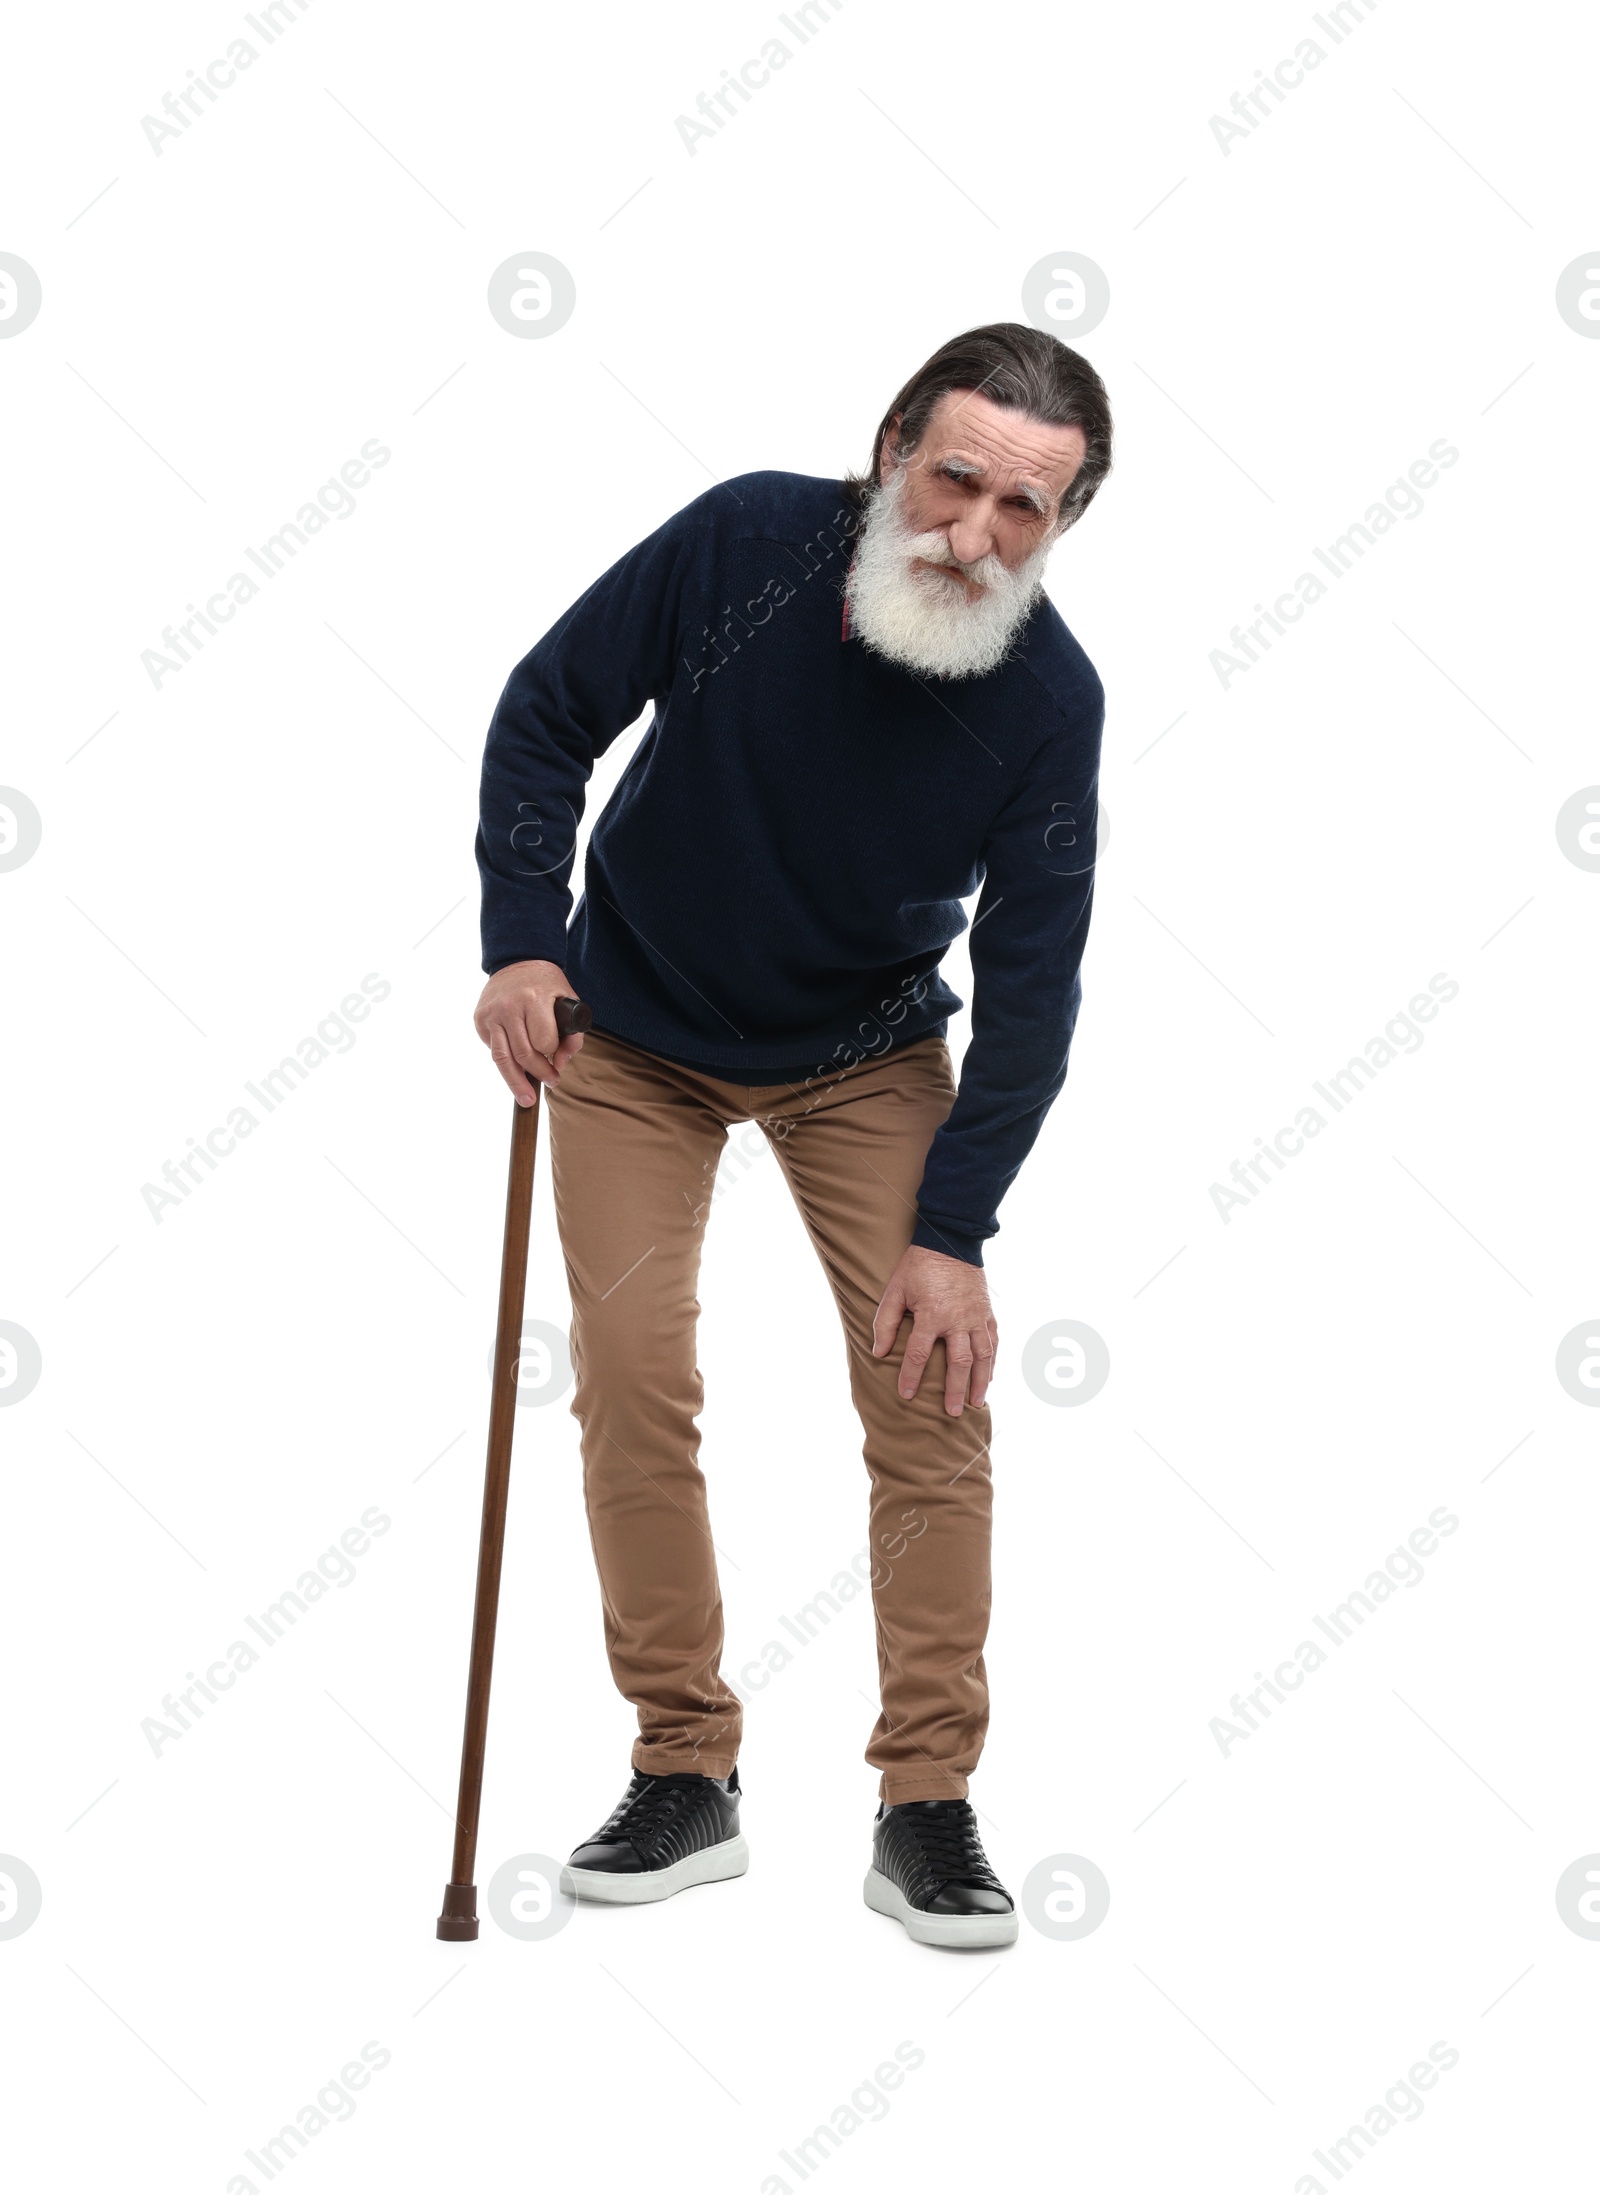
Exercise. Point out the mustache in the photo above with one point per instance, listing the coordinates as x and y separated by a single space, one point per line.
934 548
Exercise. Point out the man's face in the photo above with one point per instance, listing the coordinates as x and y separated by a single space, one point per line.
950 560
990 480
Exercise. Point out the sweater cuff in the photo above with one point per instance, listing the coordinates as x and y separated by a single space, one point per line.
553 949
950 1244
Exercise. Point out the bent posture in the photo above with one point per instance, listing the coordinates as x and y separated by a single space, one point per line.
865 710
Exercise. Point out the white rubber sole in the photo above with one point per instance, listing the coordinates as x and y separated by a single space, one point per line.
952 1931
717 1863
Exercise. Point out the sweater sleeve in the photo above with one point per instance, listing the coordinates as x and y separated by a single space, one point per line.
1026 942
577 690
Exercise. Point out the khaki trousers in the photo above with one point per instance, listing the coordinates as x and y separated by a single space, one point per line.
635 1142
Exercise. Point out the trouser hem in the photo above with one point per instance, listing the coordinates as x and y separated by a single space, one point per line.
656 1762
896 1789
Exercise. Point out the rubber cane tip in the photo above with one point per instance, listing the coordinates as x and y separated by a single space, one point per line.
458 1921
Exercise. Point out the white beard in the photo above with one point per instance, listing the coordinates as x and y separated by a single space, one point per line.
924 622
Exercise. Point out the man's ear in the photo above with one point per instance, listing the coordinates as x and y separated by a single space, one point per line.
891 443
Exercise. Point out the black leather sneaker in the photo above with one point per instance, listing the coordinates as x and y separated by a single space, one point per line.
929 1873
665 1833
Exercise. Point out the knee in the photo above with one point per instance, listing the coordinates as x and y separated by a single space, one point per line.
620 1360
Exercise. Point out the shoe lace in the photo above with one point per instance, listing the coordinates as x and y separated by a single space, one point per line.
945 1833
648 1804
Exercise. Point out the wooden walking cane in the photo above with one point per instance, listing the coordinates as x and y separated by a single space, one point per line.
458 1922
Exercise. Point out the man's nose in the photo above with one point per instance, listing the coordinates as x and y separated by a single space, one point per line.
971 537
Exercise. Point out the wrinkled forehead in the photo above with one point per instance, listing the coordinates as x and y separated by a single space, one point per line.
1009 450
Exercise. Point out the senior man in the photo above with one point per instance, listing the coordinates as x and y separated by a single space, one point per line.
865 710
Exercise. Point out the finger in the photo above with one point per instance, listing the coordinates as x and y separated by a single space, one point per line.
886 1320
526 1025
524 1051
983 1355
541 1069
915 1361
957 1371
544 1031
539 1020
544 1034
515 1079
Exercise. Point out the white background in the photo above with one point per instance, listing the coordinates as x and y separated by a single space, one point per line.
1292 1925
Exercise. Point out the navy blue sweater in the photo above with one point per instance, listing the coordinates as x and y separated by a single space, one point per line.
771 888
